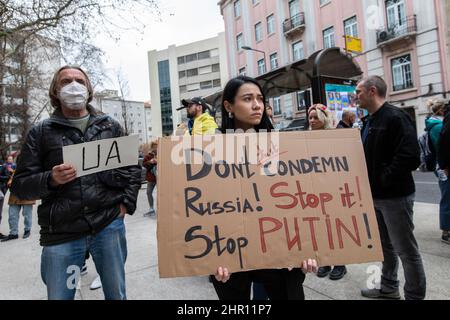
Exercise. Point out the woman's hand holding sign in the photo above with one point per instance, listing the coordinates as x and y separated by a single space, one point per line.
309 266
222 274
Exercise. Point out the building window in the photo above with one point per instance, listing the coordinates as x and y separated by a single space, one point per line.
181 60
270 24
276 106
242 71
328 38
217 83
402 73
193 87
273 61
258 32
214 53
239 41
206 85
192 72
183 89
261 67
237 8
216 67
294 9
303 100
204 55
351 27
191 57
181 74
298 51
205 70
396 14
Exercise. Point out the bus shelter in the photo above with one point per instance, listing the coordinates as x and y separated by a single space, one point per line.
329 76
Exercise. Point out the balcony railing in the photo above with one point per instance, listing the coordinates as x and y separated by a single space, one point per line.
398 30
294 23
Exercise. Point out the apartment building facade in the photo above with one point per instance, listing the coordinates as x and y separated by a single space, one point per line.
180 72
404 41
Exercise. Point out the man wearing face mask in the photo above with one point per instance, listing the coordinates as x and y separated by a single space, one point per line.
77 215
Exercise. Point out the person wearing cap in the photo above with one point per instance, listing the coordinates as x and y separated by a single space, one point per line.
200 121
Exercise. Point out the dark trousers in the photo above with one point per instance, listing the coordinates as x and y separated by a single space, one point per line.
3 189
395 222
444 207
280 284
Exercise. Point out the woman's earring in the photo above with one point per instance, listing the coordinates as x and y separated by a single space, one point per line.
230 115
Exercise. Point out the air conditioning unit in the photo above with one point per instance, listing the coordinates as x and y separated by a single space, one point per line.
386 35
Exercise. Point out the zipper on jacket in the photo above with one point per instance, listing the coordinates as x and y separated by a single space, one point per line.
50 220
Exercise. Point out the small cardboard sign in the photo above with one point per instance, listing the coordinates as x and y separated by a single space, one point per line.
264 201
102 155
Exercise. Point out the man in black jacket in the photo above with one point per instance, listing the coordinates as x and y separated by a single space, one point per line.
77 215
392 153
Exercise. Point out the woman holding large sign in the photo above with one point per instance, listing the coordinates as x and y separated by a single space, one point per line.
243 108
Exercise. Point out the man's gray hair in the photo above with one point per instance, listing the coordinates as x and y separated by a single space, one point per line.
377 82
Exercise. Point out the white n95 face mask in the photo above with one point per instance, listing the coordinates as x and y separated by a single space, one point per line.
74 96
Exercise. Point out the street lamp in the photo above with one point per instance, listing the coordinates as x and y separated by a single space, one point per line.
251 49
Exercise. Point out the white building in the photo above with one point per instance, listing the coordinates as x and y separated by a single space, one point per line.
130 114
180 72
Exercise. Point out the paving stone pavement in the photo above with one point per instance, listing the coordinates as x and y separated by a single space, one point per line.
20 266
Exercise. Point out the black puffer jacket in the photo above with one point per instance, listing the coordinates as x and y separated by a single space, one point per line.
86 205
392 152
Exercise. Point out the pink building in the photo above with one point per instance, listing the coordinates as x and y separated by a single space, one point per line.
404 41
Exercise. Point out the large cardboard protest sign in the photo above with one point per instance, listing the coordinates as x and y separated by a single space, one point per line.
259 201
101 155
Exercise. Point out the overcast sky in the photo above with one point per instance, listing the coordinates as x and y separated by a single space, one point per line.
183 21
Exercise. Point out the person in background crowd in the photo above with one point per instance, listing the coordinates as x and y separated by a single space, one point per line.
150 163
443 156
6 171
269 111
348 120
200 121
320 118
15 205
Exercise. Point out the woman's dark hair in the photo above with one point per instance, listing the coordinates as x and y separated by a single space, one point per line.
230 93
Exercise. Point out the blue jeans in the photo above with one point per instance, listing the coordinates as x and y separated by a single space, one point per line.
61 264
444 207
14 214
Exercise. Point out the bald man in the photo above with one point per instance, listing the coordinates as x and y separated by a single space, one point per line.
348 119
